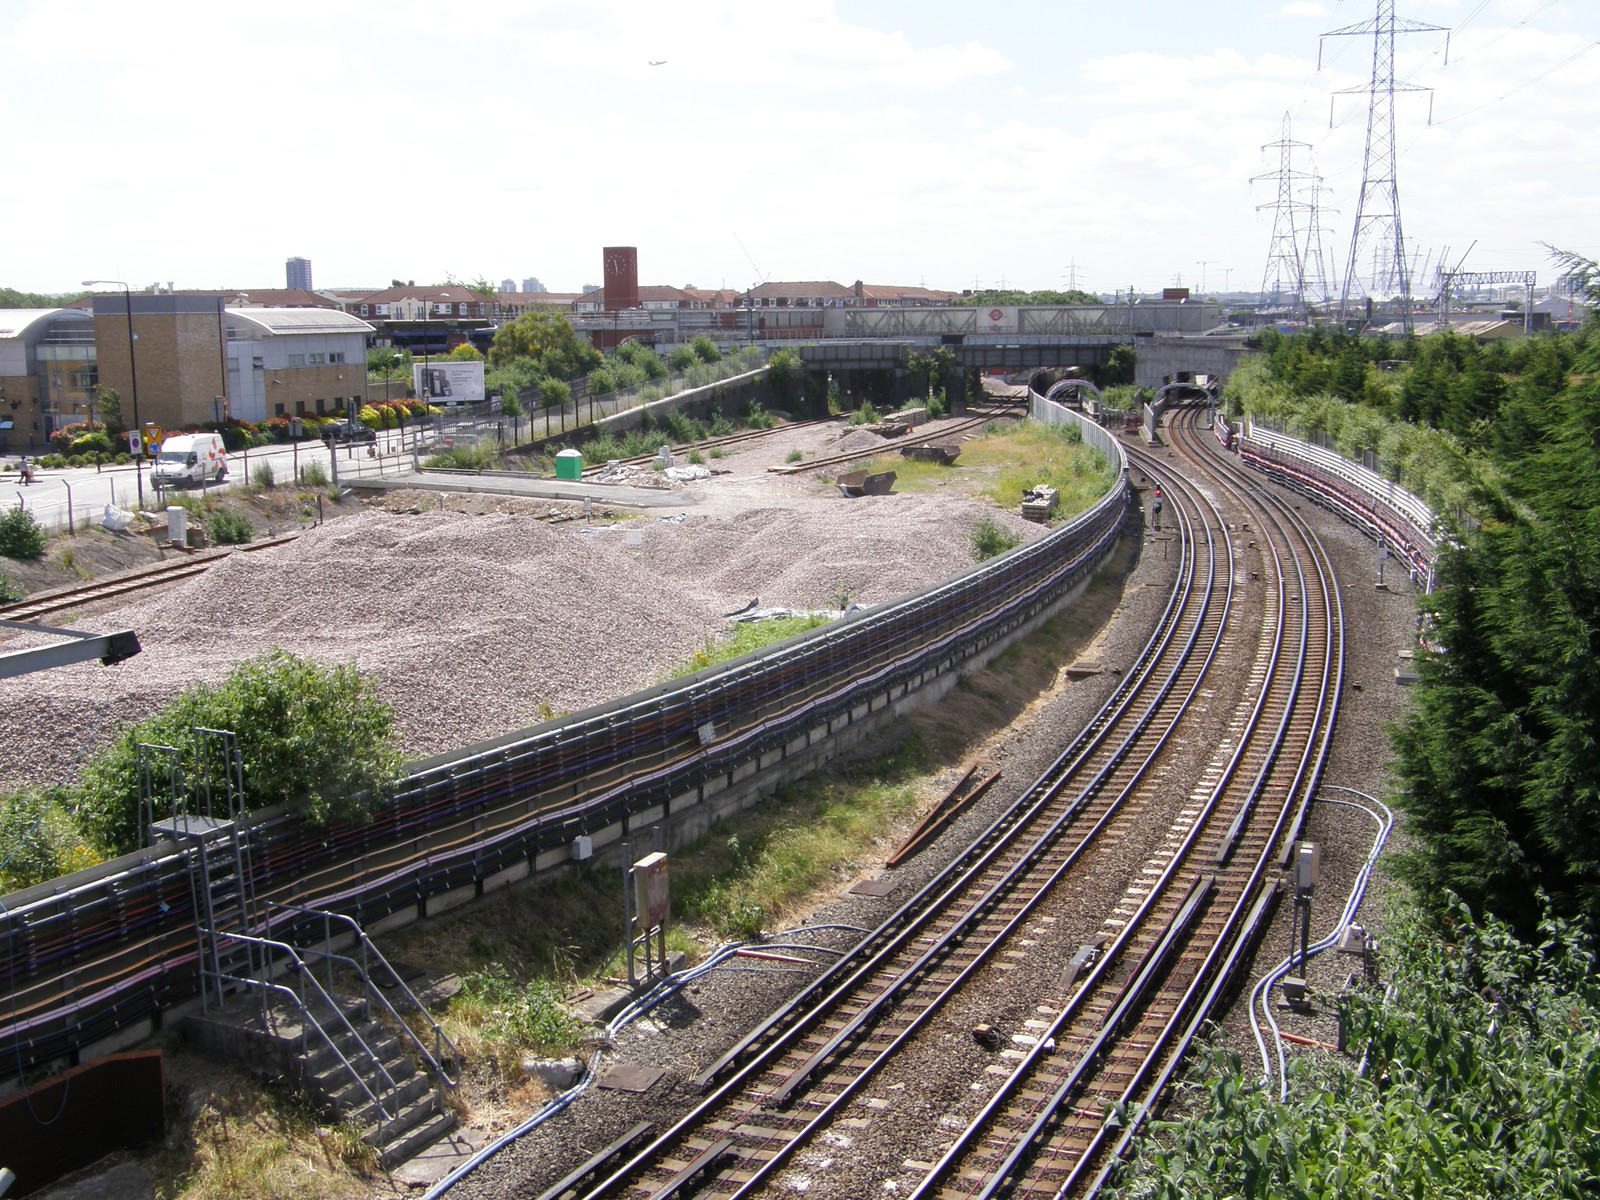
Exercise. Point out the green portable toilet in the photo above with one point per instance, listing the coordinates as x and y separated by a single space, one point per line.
569 464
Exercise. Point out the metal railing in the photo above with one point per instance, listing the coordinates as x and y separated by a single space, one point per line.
434 1058
301 970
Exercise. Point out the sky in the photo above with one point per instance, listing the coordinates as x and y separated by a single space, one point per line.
948 144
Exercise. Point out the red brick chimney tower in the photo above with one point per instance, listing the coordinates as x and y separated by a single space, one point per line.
621 277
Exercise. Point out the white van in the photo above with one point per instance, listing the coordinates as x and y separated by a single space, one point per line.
190 458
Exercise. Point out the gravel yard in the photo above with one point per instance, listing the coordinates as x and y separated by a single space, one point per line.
478 623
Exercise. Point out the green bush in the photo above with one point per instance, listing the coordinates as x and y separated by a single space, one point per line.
696 458
20 535
793 456
40 840
681 358
10 589
314 474
705 349
312 736
988 539
262 476
1478 1076
865 415
231 529
553 393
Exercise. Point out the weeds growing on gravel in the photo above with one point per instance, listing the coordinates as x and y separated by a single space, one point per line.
743 638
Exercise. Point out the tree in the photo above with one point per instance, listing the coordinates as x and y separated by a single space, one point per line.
1120 366
312 736
1584 273
388 362
110 407
466 352
1015 296
553 393
11 298
548 337
783 375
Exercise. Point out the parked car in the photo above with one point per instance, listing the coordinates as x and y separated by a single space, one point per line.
187 458
348 431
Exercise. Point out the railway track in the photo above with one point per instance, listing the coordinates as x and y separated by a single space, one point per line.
132 581
978 420
1110 1031
742 438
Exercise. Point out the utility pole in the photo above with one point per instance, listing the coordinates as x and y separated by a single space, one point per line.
1378 206
1203 264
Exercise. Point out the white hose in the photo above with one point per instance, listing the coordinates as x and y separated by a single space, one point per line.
1262 992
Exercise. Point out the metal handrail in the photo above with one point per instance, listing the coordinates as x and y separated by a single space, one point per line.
302 974
307 1017
435 1058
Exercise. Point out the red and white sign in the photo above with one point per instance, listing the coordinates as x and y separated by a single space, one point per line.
996 315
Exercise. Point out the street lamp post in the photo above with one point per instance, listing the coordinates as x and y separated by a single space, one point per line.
133 374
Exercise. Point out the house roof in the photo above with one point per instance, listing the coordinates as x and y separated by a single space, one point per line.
648 293
714 297
446 294
300 320
283 298
895 291
822 289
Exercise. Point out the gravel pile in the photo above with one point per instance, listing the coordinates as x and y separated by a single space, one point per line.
859 439
474 626
870 549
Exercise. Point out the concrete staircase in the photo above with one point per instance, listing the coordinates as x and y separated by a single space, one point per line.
348 1064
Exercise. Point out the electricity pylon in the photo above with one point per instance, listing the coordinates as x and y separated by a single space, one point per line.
1283 256
1378 207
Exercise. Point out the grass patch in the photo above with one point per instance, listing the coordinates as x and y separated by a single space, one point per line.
243 1142
1031 454
314 474
497 1017
815 833
481 456
263 476
745 637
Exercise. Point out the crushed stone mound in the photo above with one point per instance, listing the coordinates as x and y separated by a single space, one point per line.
473 626
854 440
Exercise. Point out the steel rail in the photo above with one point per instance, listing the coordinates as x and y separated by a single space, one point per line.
832 460
864 1014
132 581
1223 973
1030 1142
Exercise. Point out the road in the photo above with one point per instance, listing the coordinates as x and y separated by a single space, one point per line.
88 489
